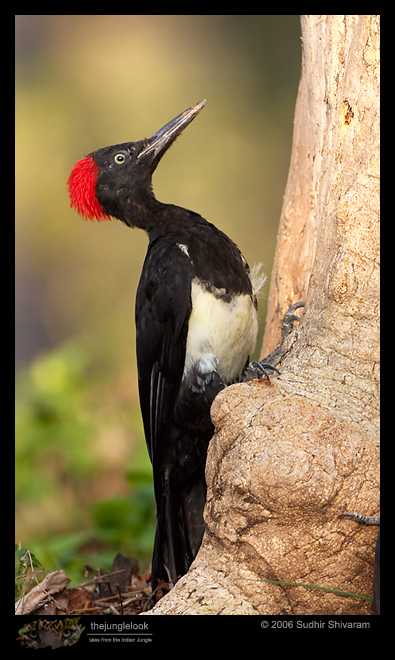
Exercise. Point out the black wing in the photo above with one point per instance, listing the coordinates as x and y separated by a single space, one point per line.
163 307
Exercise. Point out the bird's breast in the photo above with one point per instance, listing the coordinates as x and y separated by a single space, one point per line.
222 332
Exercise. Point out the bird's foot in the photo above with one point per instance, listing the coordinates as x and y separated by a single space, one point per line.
259 370
289 319
267 366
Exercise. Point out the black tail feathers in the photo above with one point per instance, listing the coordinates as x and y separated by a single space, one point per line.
179 532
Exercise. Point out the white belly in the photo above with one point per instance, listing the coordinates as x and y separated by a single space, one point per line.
221 335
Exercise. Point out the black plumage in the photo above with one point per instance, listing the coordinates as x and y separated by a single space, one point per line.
196 324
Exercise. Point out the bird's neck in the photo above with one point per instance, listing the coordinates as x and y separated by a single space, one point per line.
144 212
156 218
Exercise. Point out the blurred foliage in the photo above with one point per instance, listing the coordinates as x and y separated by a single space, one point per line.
84 82
83 478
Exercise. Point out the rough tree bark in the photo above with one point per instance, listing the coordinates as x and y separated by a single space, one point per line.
288 457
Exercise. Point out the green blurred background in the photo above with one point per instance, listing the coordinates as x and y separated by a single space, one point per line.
83 480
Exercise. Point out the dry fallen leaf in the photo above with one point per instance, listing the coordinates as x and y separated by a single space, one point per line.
42 593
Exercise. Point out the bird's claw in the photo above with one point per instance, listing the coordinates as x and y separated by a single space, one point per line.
258 370
293 307
289 319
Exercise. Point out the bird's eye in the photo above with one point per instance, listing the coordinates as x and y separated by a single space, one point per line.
120 158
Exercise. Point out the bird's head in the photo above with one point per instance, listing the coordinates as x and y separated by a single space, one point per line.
116 181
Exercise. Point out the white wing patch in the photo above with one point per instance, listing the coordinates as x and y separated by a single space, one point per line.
183 248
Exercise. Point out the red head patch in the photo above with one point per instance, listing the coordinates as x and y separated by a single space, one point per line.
82 190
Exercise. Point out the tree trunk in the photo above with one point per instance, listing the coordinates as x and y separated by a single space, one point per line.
290 456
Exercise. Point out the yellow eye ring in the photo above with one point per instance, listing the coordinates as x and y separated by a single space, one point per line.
120 158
